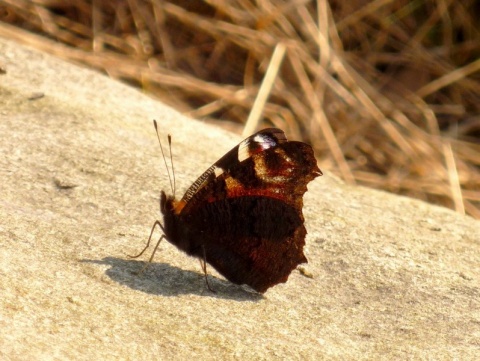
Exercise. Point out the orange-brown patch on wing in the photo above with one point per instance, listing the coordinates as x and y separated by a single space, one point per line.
178 206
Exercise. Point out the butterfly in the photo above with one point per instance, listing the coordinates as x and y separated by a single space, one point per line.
243 215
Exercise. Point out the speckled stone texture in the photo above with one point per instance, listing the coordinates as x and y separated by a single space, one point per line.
81 172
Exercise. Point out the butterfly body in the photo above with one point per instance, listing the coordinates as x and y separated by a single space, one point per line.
243 216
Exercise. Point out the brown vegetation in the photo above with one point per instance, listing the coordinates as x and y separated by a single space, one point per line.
387 92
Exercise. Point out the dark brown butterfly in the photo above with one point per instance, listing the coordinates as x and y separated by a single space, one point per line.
243 215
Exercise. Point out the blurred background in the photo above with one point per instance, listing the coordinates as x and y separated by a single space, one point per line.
387 92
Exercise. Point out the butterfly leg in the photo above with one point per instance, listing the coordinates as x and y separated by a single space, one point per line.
203 263
157 223
153 254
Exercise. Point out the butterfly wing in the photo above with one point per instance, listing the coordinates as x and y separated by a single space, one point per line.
244 214
265 164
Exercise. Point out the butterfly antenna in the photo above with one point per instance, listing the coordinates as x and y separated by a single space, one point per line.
171 161
163 155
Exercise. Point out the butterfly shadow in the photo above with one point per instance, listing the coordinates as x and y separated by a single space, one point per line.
167 280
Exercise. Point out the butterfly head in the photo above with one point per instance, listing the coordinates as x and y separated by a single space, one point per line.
168 204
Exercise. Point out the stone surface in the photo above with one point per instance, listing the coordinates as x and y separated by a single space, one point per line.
80 171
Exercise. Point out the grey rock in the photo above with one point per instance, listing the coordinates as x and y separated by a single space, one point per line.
81 171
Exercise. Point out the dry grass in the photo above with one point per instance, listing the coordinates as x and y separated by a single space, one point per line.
387 92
